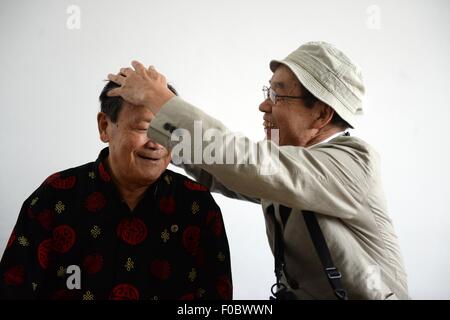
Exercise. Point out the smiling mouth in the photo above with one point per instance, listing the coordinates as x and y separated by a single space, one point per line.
148 158
269 125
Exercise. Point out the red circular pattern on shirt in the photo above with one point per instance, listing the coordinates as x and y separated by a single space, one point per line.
57 182
104 175
191 239
194 186
167 205
52 178
63 238
188 296
124 291
133 231
224 287
14 275
11 239
45 219
95 202
160 269
93 263
213 218
44 249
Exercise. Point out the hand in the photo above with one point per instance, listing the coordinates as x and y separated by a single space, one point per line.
141 86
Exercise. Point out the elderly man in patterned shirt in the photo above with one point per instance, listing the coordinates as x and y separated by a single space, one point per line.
122 227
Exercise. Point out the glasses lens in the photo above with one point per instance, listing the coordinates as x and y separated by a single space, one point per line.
265 92
272 95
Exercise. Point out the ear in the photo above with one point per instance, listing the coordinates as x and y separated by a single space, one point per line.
324 115
103 122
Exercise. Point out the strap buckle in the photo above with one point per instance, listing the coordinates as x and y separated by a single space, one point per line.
333 273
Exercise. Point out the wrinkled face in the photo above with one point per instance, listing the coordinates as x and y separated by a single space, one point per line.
290 116
134 159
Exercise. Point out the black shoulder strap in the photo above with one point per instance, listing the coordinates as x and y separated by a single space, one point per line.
278 252
332 273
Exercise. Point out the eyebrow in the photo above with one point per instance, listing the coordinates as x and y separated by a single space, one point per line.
277 84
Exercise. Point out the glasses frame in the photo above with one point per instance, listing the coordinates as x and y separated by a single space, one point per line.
269 93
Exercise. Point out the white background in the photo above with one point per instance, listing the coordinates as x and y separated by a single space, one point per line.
216 53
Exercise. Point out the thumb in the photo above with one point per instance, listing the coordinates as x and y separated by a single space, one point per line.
114 92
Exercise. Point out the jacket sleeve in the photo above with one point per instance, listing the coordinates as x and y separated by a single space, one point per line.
209 181
330 179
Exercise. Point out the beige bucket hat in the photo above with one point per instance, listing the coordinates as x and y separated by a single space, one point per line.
329 75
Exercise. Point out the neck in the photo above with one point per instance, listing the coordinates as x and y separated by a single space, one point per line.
323 134
130 193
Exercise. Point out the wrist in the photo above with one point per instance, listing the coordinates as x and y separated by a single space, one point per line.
155 103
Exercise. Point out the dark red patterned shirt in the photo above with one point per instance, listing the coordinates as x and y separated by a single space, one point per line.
173 245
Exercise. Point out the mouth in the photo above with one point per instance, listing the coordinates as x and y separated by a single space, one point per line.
268 125
147 158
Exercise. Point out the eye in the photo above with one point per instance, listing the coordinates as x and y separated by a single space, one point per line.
140 128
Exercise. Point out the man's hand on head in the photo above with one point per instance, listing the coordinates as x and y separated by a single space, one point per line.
141 86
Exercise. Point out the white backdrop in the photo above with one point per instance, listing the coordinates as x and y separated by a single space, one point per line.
216 53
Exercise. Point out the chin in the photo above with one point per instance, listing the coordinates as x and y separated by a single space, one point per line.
147 180
152 174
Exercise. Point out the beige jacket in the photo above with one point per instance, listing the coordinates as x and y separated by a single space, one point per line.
339 180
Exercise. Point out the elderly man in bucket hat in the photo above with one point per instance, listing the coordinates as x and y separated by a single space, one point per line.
326 215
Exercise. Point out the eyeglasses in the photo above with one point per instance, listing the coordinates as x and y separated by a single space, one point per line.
273 96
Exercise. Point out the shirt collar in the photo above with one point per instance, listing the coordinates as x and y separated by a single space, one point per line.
340 133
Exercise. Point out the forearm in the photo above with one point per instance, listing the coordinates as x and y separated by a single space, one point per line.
214 185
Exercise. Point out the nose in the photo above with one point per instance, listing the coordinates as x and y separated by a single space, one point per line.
266 106
153 145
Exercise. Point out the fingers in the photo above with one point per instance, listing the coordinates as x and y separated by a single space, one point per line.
114 92
138 67
152 71
126 71
117 78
